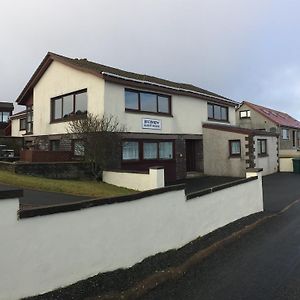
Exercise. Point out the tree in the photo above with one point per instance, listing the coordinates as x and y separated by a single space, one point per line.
101 138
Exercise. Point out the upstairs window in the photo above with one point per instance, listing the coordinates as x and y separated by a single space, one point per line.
217 112
147 102
285 134
69 105
4 116
245 114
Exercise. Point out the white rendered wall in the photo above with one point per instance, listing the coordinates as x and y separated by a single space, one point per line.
60 79
217 160
268 163
15 128
286 164
44 253
188 113
136 181
108 97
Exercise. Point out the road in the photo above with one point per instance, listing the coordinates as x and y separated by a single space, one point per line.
264 264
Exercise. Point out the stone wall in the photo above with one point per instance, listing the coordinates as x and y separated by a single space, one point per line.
58 170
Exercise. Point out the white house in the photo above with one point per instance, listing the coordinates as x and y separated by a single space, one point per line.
163 118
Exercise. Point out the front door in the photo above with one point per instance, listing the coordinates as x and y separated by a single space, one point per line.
190 148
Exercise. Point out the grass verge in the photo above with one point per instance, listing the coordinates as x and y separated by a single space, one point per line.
88 188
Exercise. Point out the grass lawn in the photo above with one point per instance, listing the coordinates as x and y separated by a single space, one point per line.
74 187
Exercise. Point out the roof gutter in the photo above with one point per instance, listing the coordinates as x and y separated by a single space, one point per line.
169 87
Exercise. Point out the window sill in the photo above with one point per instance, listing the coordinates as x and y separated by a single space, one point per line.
148 160
262 155
148 113
235 156
69 119
219 121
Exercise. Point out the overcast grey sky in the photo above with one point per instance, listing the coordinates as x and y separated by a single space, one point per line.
242 49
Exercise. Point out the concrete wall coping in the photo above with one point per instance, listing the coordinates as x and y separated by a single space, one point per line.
257 170
66 207
10 194
219 187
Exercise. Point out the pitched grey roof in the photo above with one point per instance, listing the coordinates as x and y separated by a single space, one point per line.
108 73
107 70
8 105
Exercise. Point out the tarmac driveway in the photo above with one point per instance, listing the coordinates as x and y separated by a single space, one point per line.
33 198
200 183
280 190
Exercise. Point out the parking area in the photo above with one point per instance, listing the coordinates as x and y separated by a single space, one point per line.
33 198
280 190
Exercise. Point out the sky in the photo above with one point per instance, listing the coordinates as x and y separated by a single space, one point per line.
241 49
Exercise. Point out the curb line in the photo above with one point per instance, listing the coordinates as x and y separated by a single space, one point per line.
173 273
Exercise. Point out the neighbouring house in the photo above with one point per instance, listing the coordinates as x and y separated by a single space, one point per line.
231 150
18 123
250 115
163 118
6 109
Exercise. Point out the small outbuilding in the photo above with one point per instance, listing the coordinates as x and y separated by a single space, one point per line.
230 150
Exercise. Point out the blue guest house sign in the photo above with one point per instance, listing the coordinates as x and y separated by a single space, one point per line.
151 124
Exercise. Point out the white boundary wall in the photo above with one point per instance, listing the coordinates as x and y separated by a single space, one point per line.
136 181
43 253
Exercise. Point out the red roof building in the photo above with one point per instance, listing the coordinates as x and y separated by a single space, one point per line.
278 117
253 116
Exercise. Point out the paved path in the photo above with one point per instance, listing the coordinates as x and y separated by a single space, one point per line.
40 198
263 265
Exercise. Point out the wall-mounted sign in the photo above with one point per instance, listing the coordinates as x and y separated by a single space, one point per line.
151 124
